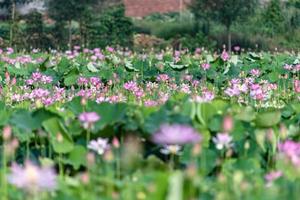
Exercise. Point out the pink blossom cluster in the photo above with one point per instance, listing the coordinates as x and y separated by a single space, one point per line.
39 78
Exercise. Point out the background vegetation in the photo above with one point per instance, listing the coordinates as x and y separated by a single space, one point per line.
263 25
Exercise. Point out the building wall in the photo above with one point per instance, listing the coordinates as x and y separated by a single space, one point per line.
141 8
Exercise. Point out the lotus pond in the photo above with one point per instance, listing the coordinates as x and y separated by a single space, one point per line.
115 124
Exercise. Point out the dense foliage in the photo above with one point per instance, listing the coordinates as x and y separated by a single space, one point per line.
63 24
112 124
255 24
266 25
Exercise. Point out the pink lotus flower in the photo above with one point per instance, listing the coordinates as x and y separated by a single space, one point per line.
255 72
223 140
32 178
131 86
290 150
205 66
288 67
236 48
82 81
228 123
272 176
198 50
225 56
176 134
89 118
100 145
162 78
110 49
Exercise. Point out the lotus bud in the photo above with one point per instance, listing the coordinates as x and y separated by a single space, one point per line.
14 81
7 77
90 159
83 102
238 177
59 138
196 149
191 171
15 143
283 132
116 143
247 145
270 135
227 124
85 178
6 133
108 156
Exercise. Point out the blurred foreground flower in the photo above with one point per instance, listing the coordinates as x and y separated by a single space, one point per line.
272 176
100 145
222 140
88 119
176 134
32 178
290 150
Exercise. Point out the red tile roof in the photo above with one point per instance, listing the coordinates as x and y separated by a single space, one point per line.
141 8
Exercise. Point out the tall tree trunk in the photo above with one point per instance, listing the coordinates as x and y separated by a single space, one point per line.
13 21
206 27
70 34
81 32
229 39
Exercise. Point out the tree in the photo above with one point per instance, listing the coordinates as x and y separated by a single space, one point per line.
64 12
224 11
34 33
294 10
273 17
11 6
203 12
67 11
112 27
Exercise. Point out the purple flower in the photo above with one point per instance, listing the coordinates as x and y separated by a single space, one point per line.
176 134
222 140
32 178
100 145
